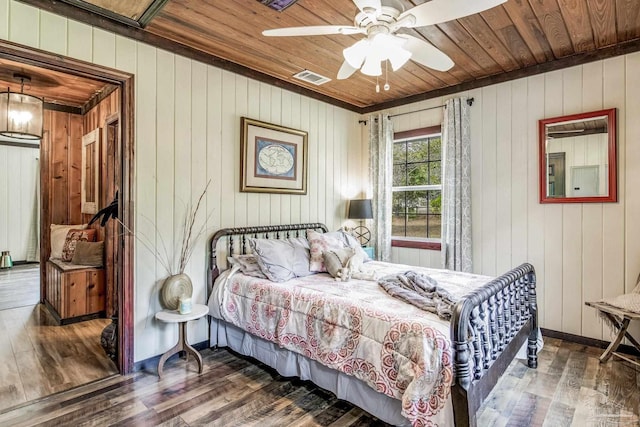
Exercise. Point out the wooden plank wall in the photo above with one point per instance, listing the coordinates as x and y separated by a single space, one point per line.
582 252
64 167
188 132
95 118
18 183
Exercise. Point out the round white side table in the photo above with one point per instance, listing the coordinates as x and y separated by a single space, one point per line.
173 316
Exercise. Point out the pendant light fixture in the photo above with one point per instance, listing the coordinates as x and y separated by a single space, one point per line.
21 114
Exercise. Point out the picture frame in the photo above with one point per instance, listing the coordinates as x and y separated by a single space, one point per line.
273 158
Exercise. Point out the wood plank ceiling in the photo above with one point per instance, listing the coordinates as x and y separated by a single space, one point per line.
520 37
55 87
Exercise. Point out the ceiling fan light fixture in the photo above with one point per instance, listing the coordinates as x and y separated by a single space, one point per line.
372 66
398 57
356 54
21 114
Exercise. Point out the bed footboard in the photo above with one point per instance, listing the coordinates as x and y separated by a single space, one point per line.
487 329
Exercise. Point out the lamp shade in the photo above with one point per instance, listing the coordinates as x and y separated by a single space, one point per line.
20 115
360 209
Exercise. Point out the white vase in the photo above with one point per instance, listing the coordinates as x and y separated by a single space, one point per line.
175 287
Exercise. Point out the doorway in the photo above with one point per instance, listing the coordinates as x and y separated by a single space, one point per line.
121 128
556 174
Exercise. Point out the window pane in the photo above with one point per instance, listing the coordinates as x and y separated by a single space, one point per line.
416 202
435 202
399 175
399 152
435 148
435 173
423 226
398 226
417 151
434 230
417 226
417 174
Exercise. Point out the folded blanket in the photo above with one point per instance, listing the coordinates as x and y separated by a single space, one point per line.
421 291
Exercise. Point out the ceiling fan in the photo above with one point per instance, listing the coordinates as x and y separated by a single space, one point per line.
380 20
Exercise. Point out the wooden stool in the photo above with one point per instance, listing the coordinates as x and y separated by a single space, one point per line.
173 316
620 319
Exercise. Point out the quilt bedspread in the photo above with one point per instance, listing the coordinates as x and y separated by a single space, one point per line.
357 328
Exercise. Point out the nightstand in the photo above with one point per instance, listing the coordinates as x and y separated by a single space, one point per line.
172 316
370 250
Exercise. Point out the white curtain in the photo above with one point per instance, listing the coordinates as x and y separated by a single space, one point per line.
381 178
456 187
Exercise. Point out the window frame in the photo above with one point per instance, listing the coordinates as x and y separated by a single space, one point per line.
412 242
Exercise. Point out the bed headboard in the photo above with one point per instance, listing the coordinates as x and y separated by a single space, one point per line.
234 240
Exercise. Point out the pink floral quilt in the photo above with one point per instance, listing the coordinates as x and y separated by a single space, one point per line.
357 328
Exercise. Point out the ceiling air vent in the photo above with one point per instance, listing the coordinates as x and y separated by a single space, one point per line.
278 5
311 77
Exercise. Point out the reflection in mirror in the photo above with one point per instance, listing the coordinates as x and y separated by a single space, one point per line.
90 178
578 158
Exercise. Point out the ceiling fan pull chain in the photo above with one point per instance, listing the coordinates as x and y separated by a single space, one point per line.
386 75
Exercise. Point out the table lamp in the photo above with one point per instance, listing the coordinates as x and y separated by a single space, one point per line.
361 209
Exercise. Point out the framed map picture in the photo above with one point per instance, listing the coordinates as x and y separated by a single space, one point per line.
273 159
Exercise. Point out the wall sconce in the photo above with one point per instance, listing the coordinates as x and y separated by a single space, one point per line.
21 114
361 209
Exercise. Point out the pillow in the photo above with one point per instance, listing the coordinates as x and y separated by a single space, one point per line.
334 260
248 265
89 253
282 260
58 237
349 240
321 242
73 237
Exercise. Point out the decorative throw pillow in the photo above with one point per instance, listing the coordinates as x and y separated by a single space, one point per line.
58 237
73 237
282 260
348 241
319 244
248 265
89 253
335 260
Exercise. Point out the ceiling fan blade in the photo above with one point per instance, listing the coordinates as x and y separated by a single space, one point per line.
368 4
426 54
318 30
437 11
346 71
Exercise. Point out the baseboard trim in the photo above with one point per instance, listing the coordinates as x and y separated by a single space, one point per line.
579 339
151 364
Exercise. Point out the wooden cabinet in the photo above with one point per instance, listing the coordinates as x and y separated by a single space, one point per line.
75 295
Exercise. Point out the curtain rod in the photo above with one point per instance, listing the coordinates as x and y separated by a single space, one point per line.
469 103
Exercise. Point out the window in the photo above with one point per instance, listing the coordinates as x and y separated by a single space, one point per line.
417 188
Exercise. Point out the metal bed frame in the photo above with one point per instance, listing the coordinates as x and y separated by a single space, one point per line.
488 326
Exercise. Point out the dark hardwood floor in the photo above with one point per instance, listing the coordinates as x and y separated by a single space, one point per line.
570 388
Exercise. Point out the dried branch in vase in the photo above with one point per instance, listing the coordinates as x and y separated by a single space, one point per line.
189 236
